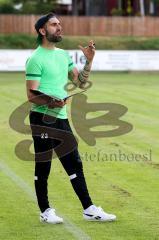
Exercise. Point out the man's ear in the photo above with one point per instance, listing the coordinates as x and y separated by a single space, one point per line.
42 31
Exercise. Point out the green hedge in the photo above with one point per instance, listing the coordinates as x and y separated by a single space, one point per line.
22 41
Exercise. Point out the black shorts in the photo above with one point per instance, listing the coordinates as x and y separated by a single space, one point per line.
53 135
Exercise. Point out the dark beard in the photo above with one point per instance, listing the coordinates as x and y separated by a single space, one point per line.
53 38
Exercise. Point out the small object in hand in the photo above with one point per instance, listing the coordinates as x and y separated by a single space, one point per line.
92 46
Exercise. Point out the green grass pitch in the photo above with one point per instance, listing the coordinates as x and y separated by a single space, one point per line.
129 189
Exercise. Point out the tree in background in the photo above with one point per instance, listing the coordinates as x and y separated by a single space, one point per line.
27 6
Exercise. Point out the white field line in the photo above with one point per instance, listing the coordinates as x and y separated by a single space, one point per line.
70 227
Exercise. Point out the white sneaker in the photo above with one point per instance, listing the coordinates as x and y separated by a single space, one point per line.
49 216
94 213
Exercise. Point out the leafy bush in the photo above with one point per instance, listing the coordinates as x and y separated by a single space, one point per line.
117 12
6 8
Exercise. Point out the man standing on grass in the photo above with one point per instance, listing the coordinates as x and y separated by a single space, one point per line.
48 70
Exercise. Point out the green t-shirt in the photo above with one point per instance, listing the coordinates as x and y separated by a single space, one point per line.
50 68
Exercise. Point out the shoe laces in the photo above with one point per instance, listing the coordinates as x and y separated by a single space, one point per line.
99 209
50 210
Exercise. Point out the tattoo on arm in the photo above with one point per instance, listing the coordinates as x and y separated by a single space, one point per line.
84 74
82 78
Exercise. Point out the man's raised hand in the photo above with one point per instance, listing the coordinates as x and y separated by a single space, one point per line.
89 51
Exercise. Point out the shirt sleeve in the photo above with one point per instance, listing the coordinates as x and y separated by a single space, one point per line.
33 70
71 64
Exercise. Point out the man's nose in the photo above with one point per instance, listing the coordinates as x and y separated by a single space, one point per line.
59 27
